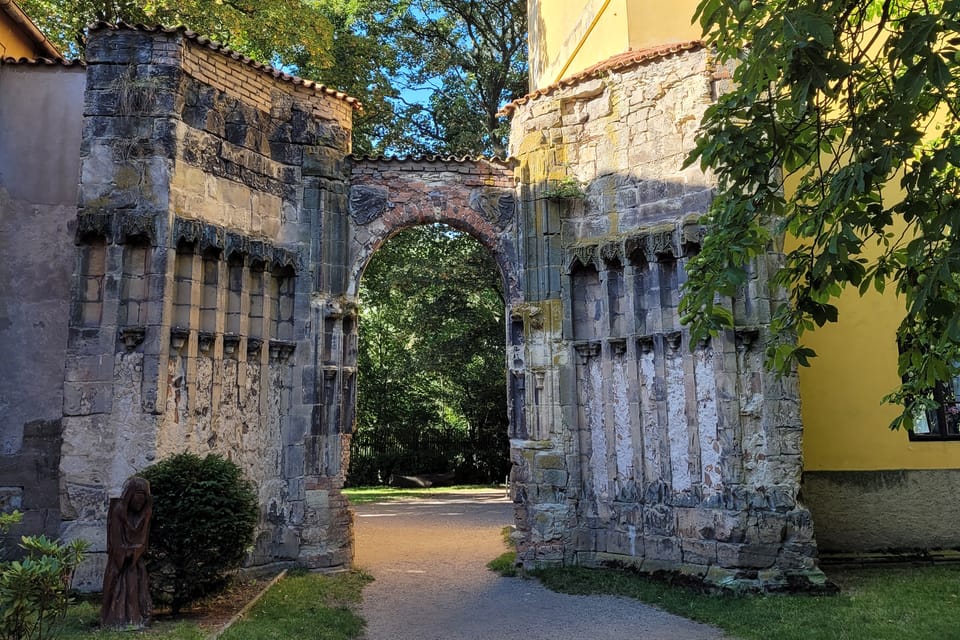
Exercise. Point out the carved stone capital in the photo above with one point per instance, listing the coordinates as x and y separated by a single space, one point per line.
254 345
179 337
231 341
660 244
281 350
673 340
645 344
618 346
587 350
132 337
205 341
586 255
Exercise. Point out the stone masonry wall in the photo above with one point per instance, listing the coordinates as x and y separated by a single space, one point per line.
659 454
190 328
222 229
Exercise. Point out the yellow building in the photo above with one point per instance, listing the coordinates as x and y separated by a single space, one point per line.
20 37
869 488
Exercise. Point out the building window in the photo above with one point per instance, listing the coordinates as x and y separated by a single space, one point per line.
942 423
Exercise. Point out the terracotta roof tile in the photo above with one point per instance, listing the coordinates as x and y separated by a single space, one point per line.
42 62
227 51
434 158
616 63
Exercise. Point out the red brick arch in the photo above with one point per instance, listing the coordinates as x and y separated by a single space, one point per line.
473 196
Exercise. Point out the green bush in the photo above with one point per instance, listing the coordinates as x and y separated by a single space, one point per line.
204 515
34 591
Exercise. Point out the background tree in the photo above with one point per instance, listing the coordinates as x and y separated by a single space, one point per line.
431 361
853 104
431 74
467 57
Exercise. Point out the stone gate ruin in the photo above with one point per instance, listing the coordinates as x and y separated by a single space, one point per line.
221 229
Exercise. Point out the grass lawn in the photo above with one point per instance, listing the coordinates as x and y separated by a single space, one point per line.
363 495
875 603
306 606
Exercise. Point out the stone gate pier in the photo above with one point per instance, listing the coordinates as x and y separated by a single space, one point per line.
222 229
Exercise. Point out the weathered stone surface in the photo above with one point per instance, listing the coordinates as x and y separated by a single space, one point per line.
222 229
704 440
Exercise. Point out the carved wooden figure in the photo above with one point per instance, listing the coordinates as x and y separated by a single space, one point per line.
126 593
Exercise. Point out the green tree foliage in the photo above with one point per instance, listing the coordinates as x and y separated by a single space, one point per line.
204 515
35 590
853 106
267 30
469 57
431 74
431 356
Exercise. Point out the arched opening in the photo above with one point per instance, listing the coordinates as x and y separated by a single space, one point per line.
431 407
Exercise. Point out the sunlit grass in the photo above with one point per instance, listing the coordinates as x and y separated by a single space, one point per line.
506 563
303 605
83 621
364 495
306 606
876 603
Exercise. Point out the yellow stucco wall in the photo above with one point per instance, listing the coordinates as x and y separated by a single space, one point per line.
652 22
844 422
14 43
567 36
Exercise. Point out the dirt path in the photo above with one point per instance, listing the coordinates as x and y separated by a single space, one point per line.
428 559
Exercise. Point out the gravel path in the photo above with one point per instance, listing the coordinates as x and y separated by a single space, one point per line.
428 558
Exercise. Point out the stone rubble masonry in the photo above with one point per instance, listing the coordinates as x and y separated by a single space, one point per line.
653 454
195 277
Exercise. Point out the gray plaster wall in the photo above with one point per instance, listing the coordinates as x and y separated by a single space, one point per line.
902 510
41 111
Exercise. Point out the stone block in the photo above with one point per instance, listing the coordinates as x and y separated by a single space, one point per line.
746 556
11 498
799 526
659 520
549 460
88 577
293 461
97 368
798 556
82 398
627 543
699 552
662 548
767 528
555 477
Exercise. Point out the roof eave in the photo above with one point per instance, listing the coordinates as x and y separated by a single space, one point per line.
15 13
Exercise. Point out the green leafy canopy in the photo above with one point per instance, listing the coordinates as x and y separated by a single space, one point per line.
841 130
431 355
431 74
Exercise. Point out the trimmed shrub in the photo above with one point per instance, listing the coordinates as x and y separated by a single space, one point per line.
204 516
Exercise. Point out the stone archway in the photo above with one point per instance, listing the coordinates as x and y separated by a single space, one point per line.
214 310
388 196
